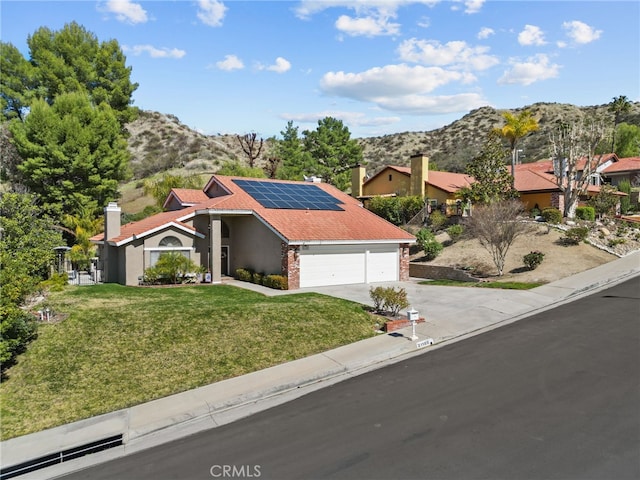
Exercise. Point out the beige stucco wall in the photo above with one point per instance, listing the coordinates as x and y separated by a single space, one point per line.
253 246
440 195
399 184
531 199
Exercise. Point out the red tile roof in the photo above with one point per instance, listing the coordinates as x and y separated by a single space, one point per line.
353 223
187 196
628 164
448 181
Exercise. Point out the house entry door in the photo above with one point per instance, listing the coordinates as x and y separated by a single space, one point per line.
224 260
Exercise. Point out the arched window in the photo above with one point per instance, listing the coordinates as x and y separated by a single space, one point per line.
170 241
167 244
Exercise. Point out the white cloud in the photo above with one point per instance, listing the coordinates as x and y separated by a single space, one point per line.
367 26
282 65
230 63
424 22
485 32
211 12
390 80
402 88
473 6
534 69
372 17
470 6
155 52
531 35
580 32
126 11
457 54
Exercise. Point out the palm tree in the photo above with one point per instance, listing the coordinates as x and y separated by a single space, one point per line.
618 106
516 128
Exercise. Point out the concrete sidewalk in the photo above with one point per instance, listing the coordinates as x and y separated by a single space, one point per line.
452 313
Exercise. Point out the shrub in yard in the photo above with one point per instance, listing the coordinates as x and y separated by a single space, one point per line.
428 243
244 275
552 215
436 220
586 213
533 259
278 282
377 297
575 235
257 278
534 212
395 300
455 232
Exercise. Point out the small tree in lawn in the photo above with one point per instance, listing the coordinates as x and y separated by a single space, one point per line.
496 226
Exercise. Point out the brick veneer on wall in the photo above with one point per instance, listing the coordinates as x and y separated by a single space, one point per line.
404 262
291 265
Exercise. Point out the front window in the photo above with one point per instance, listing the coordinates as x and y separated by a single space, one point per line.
168 244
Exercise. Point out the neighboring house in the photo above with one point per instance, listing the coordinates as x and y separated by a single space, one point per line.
310 232
536 181
623 169
440 188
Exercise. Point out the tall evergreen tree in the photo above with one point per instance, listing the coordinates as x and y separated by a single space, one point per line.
330 152
73 60
73 153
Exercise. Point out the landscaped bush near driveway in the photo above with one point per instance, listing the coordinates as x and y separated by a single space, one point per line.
279 282
389 299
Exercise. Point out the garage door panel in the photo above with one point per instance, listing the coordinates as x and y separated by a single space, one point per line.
382 266
348 264
317 269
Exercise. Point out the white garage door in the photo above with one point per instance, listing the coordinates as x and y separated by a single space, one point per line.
346 264
382 264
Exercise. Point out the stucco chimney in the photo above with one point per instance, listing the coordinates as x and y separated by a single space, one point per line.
358 175
111 221
419 174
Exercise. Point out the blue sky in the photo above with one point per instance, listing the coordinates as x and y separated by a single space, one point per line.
381 67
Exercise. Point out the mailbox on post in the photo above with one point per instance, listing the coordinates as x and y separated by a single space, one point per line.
412 316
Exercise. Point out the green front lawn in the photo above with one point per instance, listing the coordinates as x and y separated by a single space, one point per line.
121 346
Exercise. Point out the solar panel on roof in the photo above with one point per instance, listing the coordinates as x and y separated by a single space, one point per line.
290 196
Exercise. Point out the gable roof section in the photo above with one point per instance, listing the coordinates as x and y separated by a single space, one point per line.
353 223
147 226
628 164
403 170
448 181
186 197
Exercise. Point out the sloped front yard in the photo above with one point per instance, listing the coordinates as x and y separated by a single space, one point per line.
559 261
121 346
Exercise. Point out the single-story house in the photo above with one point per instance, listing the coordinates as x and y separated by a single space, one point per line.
440 188
310 232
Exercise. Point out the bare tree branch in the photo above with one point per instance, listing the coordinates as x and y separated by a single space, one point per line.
248 145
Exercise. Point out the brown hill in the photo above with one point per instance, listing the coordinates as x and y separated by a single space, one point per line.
160 142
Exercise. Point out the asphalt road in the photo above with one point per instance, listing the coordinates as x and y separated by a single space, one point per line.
554 396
